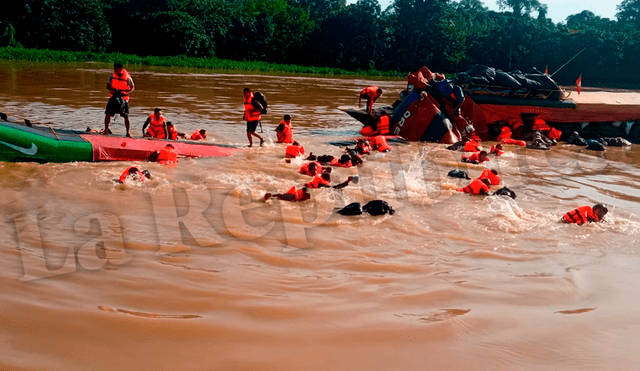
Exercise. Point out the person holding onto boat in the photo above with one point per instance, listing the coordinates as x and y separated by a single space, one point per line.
120 85
584 214
371 94
252 113
157 124
284 131
166 156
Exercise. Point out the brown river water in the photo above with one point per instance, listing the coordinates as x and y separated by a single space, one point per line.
190 271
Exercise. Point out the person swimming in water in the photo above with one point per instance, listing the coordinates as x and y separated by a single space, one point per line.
584 214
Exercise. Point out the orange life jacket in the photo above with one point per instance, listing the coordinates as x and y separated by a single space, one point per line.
380 143
471 146
305 168
488 174
125 174
476 187
540 125
173 133
167 156
337 162
156 126
297 194
197 135
474 157
514 142
505 133
250 113
580 215
318 182
286 134
120 83
496 151
554 134
294 151
363 149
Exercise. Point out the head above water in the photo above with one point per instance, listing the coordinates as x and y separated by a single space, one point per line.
600 210
287 117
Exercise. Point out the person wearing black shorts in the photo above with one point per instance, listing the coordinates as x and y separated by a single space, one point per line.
120 84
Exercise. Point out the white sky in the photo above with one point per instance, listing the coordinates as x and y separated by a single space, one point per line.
559 10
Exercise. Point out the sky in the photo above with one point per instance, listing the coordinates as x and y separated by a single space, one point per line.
559 10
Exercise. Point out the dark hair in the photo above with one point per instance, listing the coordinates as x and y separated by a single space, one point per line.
169 145
118 65
246 90
601 207
287 117
157 109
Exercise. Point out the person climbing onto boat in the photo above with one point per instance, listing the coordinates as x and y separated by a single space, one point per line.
157 125
584 214
173 132
477 187
447 93
252 109
284 131
476 157
371 94
292 194
199 134
134 173
120 85
294 150
324 180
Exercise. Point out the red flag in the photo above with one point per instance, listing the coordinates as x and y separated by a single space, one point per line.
579 84
546 70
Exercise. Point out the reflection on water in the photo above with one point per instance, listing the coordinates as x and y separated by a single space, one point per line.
102 275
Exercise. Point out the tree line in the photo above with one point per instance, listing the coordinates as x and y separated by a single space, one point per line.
444 35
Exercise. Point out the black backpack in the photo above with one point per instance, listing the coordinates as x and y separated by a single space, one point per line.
260 98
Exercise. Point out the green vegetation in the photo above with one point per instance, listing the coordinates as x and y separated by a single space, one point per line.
327 36
47 55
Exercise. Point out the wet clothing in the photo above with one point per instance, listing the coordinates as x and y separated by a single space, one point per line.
489 174
581 215
251 113
284 132
380 143
197 135
294 151
157 126
476 187
167 156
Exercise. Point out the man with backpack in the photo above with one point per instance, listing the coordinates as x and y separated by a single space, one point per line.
253 110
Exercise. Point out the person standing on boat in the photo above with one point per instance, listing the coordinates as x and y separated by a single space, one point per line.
157 125
371 94
120 84
252 113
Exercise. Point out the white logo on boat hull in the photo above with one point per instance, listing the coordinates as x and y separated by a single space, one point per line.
27 151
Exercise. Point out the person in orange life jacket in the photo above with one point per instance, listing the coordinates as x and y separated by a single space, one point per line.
344 161
496 149
294 150
252 109
477 187
166 156
324 180
355 157
199 134
157 125
584 214
284 132
363 147
292 194
476 157
471 146
492 175
371 94
134 173
313 168
379 143
120 84
173 133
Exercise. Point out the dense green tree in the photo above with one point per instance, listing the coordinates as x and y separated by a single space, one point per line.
320 10
629 13
59 24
